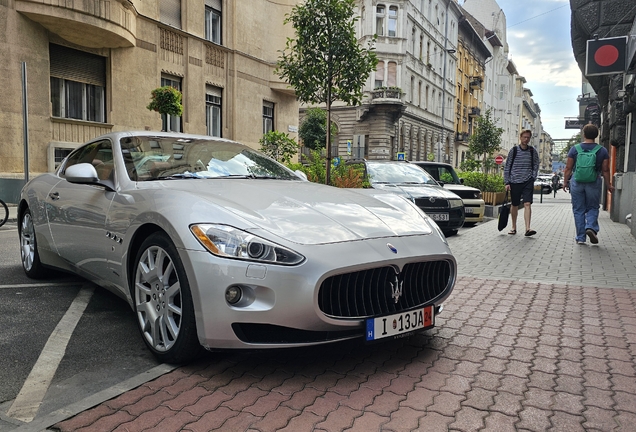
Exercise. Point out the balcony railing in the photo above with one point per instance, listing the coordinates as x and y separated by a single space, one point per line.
474 112
387 94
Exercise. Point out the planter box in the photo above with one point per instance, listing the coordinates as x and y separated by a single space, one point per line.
493 198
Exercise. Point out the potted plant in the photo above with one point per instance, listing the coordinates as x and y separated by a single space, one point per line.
166 100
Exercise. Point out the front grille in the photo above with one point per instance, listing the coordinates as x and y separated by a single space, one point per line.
465 194
275 334
371 292
437 203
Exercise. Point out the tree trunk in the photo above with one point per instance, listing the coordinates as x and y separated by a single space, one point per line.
328 167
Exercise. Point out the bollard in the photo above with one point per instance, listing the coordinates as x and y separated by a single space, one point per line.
541 192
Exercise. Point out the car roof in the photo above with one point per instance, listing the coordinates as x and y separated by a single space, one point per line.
429 163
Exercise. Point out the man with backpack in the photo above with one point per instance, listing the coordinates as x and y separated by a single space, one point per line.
520 172
587 162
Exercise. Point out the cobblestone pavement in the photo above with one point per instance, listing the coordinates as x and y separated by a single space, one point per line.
531 339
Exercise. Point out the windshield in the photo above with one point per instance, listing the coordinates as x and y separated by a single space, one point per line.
156 158
398 172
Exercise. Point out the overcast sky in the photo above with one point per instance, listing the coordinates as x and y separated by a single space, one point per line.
541 48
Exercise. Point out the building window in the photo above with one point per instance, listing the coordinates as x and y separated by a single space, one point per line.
59 155
421 46
170 12
412 99
380 12
393 20
379 74
392 74
213 110
171 123
268 117
78 81
213 21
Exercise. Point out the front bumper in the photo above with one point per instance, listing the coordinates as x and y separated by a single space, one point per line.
281 305
474 210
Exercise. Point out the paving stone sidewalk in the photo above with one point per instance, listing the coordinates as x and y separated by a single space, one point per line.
532 339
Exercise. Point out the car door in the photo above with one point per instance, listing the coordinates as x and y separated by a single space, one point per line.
77 212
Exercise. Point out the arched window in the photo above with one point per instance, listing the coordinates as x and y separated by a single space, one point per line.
392 74
379 74
393 19
380 13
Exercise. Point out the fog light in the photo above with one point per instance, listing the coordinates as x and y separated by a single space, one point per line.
233 295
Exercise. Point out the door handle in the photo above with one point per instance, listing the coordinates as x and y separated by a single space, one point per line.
54 195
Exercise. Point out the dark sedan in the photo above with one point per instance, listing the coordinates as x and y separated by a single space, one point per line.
441 205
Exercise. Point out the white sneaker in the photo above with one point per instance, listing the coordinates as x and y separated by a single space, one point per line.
580 242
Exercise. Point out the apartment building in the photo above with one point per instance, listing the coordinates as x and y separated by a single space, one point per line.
91 66
409 102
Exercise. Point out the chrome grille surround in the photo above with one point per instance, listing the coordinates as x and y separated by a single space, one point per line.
369 293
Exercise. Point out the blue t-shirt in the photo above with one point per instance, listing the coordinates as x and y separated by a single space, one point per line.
601 155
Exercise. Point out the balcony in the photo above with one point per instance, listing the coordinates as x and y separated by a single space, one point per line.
475 83
474 112
388 93
89 23
461 136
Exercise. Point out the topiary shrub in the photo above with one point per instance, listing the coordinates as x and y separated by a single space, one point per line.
166 100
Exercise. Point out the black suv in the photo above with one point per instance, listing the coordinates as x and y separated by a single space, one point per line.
403 178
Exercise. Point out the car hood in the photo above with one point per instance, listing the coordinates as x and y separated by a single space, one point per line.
305 212
417 191
455 187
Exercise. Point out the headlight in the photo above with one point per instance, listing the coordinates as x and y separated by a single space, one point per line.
229 242
478 195
454 203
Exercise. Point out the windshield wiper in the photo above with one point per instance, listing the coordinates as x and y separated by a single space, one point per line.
270 177
177 177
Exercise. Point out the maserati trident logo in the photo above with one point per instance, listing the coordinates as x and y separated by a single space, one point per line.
391 248
396 288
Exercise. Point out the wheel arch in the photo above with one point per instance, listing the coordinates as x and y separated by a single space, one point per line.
141 234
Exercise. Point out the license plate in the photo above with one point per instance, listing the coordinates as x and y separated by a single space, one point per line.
439 216
400 324
469 210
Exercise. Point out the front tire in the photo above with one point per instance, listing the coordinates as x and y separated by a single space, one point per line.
163 302
29 254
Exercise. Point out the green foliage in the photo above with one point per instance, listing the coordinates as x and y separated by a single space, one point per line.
486 139
279 146
482 181
447 178
343 175
312 130
325 62
166 100
470 164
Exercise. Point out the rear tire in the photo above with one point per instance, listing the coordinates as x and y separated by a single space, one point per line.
4 213
163 302
29 254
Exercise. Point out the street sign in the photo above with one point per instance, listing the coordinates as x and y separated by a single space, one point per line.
606 56
499 160
348 147
336 161
401 156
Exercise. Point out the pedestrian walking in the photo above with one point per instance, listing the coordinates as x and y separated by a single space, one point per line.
520 172
587 163
555 182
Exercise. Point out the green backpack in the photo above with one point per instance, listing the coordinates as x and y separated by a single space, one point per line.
585 169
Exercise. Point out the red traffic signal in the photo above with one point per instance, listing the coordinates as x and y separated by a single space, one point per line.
606 56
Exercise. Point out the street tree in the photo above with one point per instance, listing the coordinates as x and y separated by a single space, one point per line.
324 62
313 128
486 139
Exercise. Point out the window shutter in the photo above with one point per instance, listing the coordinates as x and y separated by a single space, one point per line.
213 90
74 65
214 4
170 12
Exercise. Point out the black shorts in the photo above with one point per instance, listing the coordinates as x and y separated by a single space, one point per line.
518 190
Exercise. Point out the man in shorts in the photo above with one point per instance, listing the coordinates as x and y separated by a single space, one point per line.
520 172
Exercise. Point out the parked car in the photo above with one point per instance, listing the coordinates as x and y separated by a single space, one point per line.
445 174
216 245
412 182
542 186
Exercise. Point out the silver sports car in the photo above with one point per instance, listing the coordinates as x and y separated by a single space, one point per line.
215 245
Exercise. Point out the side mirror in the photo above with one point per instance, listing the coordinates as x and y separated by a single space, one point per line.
83 173
302 175
461 180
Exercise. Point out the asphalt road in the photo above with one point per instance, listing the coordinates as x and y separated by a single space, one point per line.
104 348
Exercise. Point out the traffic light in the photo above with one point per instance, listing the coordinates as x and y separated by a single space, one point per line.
606 56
